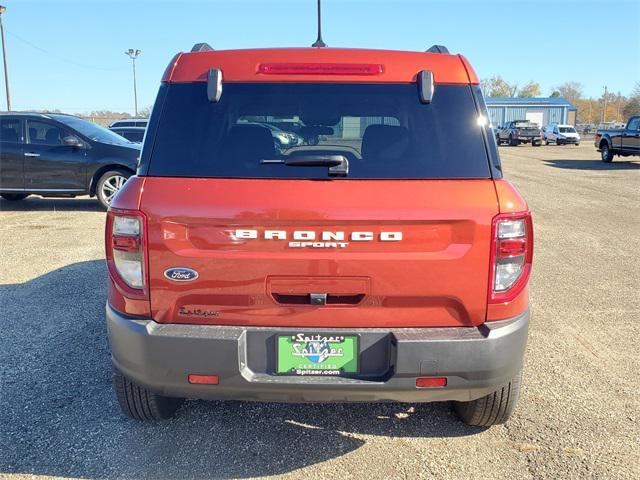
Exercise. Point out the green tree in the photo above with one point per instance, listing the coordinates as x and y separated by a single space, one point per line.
555 94
498 87
531 89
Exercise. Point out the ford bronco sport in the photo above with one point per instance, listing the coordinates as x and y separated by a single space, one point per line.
386 260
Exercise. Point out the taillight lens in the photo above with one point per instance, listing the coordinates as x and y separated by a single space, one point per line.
126 252
511 255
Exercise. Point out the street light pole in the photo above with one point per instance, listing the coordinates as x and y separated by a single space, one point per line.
4 59
133 54
604 110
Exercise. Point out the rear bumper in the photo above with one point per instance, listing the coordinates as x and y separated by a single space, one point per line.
475 361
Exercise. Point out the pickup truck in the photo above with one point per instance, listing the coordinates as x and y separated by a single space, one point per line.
519 131
624 141
388 262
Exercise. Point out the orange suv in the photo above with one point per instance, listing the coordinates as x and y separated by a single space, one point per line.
377 256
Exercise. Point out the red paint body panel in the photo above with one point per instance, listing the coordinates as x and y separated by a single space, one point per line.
244 65
436 276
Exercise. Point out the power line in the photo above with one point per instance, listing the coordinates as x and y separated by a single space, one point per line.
63 59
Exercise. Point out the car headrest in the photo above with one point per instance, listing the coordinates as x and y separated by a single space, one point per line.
9 135
385 142
53 136
249 143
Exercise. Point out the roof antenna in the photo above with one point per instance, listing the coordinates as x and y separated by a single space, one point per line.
319 43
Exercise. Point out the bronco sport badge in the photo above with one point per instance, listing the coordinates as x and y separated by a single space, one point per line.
312 239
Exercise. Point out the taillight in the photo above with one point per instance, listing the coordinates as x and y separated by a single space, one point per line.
126 251
511 255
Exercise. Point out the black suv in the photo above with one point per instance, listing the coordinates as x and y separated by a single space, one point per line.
56 155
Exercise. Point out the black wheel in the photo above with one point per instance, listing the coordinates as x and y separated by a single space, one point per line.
512 142
493 409
141 404
577 144
536 143
498 142
109 184
14 197
606 153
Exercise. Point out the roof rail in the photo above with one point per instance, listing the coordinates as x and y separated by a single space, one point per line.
438 49
202 47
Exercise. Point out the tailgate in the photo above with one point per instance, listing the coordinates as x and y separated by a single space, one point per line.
312 253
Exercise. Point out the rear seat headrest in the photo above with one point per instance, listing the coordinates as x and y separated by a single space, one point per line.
250 143
385 142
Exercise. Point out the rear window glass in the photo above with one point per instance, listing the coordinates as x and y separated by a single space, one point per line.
382 130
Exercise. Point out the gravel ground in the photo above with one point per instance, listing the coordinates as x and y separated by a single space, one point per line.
577 417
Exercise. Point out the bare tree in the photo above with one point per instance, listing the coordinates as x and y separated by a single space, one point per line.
632 106
572 91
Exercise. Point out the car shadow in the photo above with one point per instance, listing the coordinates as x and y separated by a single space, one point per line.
33 203
59 415
593 164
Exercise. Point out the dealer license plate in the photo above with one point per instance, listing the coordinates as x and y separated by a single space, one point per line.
316 354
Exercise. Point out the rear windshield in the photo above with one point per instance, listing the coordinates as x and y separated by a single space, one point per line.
382 130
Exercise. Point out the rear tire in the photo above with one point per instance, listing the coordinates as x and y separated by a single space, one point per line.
606 153
14 197
109 184
138 403
493 409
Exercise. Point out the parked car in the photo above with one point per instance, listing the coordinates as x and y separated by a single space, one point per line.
622 141
133 134
560 134
519 131
282 139
343 271
56 155
130 122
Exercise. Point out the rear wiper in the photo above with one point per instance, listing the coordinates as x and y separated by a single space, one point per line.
338 164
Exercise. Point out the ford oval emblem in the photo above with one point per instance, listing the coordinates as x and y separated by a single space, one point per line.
178 274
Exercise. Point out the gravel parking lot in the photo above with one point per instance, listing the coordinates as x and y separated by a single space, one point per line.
578 416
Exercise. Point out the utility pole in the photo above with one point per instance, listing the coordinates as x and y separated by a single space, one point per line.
4 58
133 54
604 110
618 111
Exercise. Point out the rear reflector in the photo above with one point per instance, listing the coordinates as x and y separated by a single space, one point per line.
204 379
320 68
430 382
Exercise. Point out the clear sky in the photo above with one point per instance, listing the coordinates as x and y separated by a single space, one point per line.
70 54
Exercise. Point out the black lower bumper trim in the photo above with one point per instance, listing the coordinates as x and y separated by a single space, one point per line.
475 360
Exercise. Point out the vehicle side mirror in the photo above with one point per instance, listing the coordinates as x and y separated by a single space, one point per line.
71 141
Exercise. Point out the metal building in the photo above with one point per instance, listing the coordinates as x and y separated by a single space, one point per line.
542 111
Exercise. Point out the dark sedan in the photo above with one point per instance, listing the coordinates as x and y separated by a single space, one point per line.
56 155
